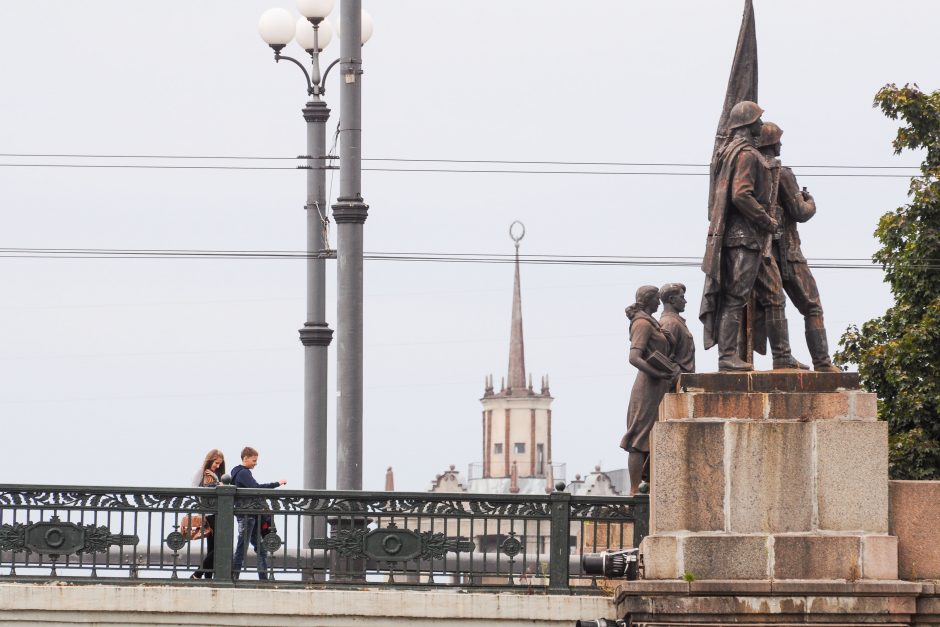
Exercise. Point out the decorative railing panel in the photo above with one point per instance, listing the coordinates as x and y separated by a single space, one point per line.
312 537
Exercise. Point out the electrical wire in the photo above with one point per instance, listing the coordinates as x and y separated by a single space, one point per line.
415 160
418 170
420 257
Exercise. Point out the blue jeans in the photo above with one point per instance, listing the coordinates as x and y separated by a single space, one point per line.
249 529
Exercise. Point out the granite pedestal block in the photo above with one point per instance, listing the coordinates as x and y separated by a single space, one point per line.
770 475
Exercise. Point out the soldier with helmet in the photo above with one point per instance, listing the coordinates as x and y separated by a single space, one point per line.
791 206
738 260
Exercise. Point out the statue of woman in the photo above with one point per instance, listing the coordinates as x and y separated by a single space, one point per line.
649 346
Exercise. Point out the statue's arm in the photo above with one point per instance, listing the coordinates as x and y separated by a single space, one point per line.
742 191
640 332
800 205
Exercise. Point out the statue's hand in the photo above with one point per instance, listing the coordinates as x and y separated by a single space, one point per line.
772 225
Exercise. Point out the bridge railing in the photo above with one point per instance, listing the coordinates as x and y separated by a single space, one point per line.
312 537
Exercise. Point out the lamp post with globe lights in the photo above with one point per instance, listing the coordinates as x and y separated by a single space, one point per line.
312 33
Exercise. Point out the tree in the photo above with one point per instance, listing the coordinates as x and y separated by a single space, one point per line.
898 354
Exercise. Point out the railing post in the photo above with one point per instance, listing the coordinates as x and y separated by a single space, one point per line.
224 532
641 518
561 532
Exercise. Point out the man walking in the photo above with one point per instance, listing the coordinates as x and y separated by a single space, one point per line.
738 260
798 282
249 526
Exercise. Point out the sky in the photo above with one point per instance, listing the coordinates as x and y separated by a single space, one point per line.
125 372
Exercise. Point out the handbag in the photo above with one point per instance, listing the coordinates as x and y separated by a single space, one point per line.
194 526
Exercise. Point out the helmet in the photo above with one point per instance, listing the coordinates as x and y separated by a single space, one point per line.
743 113
769 135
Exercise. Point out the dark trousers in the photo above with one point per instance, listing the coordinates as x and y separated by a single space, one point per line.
249 531
208 564
745 271
801 288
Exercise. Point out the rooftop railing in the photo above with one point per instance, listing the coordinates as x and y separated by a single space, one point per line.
312 537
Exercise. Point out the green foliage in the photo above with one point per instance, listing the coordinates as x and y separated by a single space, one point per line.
688 576
898 354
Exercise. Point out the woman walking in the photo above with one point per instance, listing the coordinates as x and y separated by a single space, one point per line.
209 475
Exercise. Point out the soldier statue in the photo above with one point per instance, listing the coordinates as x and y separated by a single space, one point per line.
791 206
738 261
683 344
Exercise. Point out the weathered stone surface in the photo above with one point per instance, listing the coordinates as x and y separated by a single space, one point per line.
865 405
688 477
725 586
714 382
771 477
817 557
807 405
879 557
725 556
108 604
914 517
851 475
728 405
674 407
768 381
660 557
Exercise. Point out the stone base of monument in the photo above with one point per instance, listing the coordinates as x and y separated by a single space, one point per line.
775 603
770 476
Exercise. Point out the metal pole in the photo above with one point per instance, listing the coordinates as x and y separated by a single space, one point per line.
350 214
316 334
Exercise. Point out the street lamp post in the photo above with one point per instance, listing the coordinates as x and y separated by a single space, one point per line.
313 34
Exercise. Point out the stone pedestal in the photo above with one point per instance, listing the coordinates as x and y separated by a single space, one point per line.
769 476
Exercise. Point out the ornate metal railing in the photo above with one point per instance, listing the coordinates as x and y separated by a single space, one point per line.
312 537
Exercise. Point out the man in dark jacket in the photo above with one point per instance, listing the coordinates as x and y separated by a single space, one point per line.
249 526
792 206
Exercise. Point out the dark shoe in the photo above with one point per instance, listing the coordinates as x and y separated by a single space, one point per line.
818 346
194 576
734 364
728 343
778 332
789 362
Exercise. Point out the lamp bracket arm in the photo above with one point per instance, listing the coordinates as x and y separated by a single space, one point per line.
278 57
327 72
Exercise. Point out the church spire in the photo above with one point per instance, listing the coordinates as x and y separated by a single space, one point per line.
517 381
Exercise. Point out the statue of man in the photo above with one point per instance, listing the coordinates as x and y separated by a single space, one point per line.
738 260
672 296
795 206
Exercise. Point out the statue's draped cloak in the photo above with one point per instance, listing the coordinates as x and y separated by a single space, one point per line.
711 263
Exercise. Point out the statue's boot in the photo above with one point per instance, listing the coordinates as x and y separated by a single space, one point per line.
779 335
819 346
728 359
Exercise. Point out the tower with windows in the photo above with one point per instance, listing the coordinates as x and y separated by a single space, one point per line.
517 419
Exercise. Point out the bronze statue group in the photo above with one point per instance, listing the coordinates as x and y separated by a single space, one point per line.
752 263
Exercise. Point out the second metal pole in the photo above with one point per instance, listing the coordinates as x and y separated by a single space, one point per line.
350 214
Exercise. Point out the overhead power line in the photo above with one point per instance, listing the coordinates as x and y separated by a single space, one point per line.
416 160
139 166
445 166
417 257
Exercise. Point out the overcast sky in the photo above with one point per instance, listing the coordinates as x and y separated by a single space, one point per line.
125 372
